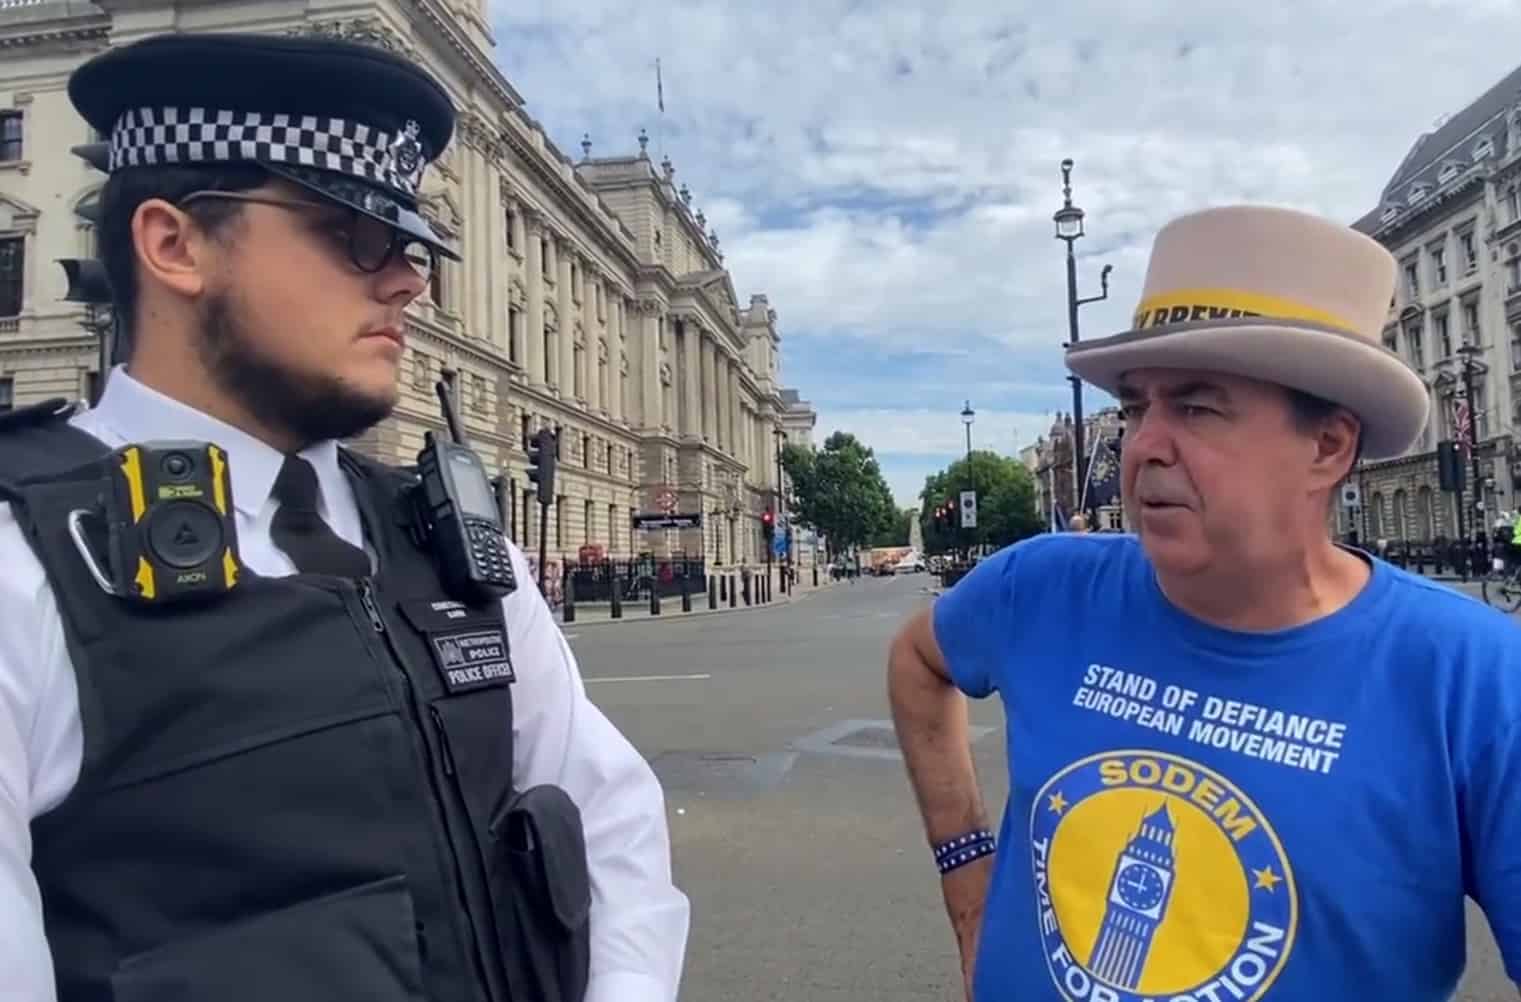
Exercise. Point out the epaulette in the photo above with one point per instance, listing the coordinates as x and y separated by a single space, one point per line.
35 415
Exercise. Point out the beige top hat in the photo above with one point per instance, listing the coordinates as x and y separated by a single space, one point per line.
1275 295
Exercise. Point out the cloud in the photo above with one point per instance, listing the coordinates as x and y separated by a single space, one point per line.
887 173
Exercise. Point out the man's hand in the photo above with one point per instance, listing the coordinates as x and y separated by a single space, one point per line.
965 891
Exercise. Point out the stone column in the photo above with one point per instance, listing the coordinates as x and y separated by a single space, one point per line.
735 406
691 393
567 380
649 367
709 393
533 322
615 345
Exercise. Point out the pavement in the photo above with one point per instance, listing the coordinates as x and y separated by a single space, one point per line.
794 829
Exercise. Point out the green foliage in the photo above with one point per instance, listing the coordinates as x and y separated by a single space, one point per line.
1005 503
839 491
898 530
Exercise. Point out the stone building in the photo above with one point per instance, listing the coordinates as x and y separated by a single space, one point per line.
591 297
1451 215
1049 460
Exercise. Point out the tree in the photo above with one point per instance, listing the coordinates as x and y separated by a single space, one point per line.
839 491
899 528
1005 503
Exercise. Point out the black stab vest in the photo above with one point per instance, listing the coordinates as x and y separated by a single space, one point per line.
281 799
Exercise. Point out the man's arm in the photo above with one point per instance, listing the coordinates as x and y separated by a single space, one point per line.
40 747
639 919
930 715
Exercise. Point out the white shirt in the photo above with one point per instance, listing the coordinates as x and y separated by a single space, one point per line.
639 919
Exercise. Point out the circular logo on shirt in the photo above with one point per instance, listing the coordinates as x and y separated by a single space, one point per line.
1157 878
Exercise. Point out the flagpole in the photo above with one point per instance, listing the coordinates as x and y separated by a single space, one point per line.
660 103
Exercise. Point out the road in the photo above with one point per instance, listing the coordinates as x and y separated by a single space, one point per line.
794 830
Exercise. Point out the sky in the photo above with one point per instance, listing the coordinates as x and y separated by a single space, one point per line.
886 172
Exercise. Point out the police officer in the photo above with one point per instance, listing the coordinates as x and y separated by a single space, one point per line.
281 793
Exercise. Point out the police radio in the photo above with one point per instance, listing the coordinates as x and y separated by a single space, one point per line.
456 512
164 532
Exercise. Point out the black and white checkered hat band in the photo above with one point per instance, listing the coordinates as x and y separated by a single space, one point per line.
164 136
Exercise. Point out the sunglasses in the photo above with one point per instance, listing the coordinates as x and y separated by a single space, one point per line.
371 244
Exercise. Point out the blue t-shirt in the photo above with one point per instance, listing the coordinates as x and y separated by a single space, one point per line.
1202 815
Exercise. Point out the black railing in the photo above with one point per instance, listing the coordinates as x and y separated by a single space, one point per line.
594 578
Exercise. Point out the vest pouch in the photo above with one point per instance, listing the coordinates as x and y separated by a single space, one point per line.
542 847
357 944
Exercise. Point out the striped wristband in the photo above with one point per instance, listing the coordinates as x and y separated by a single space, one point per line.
963 849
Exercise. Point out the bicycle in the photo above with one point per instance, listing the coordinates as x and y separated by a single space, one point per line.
1502 585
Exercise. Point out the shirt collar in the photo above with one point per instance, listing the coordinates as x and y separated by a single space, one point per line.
130 411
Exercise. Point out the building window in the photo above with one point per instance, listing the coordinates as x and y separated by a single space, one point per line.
586 450
1470 252
10 136
609 457
1439 265
436 284
1515 346
1480 415
478 386
514 334
1412 281
1471 322
546 265
1513 275
560 520
1444 336
612 529
549 349
1513 203
527 429
1413 344
578 363
511 222
12 270
7 393
591 535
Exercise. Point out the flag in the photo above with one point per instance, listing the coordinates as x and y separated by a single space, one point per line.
659 87
1104 475
1460 423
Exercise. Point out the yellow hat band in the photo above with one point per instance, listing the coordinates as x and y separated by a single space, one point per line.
1193 305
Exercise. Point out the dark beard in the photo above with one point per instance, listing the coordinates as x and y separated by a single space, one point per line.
310 407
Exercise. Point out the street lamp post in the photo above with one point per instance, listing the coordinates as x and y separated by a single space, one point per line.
967 416
1469 351
781 443
1069 229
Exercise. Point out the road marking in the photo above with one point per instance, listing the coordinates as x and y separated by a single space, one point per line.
572 636
649 678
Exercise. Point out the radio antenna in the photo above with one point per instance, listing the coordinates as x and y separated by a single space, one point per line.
446 403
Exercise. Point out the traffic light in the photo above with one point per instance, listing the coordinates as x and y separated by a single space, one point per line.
86 277
541 464
1449 466
768 525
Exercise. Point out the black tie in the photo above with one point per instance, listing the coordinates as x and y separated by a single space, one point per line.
300 532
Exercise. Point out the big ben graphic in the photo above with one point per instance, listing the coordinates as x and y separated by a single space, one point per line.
1138 896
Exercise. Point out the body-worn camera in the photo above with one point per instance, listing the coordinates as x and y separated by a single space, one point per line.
164 532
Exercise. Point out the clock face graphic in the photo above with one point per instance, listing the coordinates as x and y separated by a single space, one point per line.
1140 887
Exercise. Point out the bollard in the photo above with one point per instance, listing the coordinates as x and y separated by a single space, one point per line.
654 597
569 591
747 590
733 594
686 594
815 574
712 593
723 589
617 596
